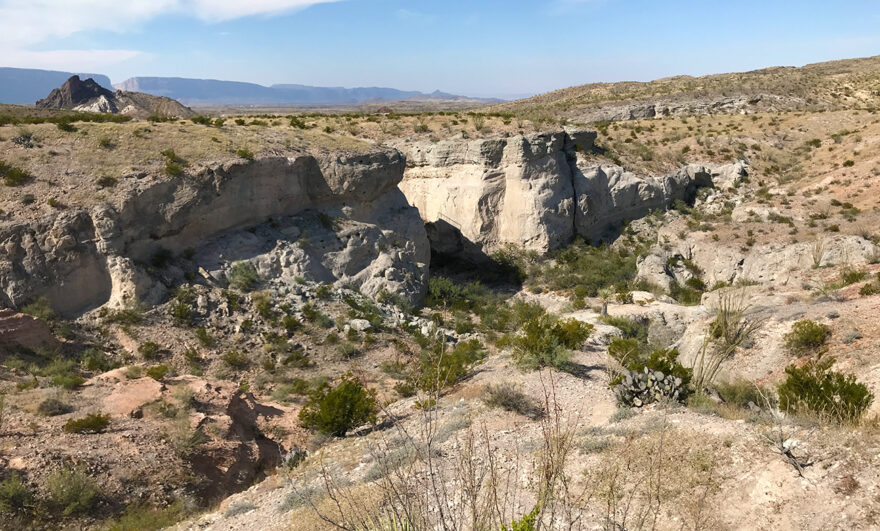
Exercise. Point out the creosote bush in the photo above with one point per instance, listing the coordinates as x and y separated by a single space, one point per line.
336 410
15 495
243 276
816 389
91 423
547 341
441 368
806 336
71 491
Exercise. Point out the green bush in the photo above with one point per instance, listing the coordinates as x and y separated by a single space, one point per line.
336 410
589 268
245 154
243 276
743 392
157 372
51 407
40 308
146 518
14 494
546 341
440 368
11 175
204 337
815 388
149 350
235 359
173 169
91 423
63 373
95 360
71 491
806 336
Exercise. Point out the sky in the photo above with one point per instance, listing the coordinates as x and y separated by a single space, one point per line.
500 48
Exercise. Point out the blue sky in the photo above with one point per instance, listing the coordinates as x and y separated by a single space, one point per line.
477 47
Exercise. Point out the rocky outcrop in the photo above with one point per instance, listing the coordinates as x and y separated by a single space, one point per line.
73 92
535 191
778 264
88 96
18 330
687 106
331 218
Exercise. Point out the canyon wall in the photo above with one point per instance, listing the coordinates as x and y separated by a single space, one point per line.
330 218
535 191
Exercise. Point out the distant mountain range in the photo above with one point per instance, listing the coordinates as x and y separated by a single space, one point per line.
205 92
27 85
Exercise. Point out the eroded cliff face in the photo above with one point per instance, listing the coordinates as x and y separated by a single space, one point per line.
535 191
331 218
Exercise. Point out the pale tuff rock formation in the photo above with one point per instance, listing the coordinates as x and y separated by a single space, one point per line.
328 218
537 191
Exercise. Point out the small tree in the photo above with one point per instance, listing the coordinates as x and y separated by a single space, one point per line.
336 410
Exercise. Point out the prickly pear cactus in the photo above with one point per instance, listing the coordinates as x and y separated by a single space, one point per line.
640 388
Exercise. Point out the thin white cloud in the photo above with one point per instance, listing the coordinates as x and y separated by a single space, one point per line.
72 60
29 23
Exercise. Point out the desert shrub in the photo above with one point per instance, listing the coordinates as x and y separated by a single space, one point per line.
203 120
546 341
587 267
235 359
239 121
851 276
297 122
149 350
817 389
336 410
131 314
181 312
291 324
63 373
93 359
441 368
173 169
51 407
508 397
245 153
15 495
806 336
528 522
157 372
743 393
142 517
41 308
630 328
624 350
71 490
204 337
243 276
91 423
688 294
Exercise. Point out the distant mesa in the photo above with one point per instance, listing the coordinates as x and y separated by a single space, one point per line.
209 92
88 96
